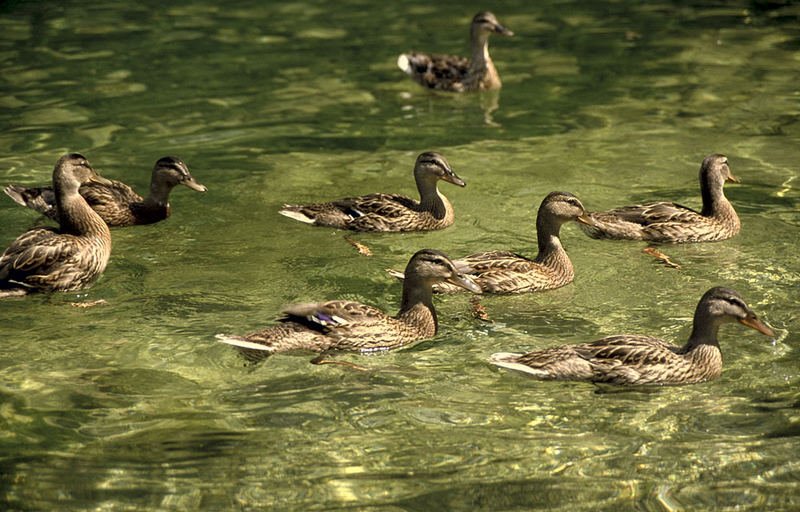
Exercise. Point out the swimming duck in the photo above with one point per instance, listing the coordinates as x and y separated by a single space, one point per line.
389 212
631 359
457 74
671 222
115 202
505 272
347 325
68 258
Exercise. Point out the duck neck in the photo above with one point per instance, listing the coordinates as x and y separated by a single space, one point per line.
417 305
551 252
430 199
76 217
704 331
480 53
159 195
715 204
702 350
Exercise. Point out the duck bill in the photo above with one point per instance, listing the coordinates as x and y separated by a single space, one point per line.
192 184
732 179
465 282
585 219
455 180
503 31
100 180
753 322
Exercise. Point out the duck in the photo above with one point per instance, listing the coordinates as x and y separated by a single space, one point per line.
458 74
115 202
389 212
70 257
339 325
505 272
666 222
636 360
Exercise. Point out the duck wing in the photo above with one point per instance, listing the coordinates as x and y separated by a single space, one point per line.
40 199
492 260
630 359
33 256
441 72
373 212
505 272
390 206
351 325
327 317
103 197
649 213
321 327
657 222
624 359
110 201
629 350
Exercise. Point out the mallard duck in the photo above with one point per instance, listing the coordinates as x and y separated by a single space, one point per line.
68 258
671 222
632 359
115 202
505 272
389 212
347 325
457 74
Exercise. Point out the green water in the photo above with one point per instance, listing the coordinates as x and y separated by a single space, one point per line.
132 405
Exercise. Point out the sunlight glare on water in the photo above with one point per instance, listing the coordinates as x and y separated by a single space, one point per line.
132 405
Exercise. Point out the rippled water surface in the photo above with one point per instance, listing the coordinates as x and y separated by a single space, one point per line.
132 405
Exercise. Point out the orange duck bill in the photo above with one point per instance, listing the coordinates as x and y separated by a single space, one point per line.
752 321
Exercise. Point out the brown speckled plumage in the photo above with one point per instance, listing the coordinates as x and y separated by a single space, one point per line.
458 74
68 258
115 202
641 360
671 222
389 212
505 272
347 325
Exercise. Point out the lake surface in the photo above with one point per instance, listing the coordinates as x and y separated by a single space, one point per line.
132 405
